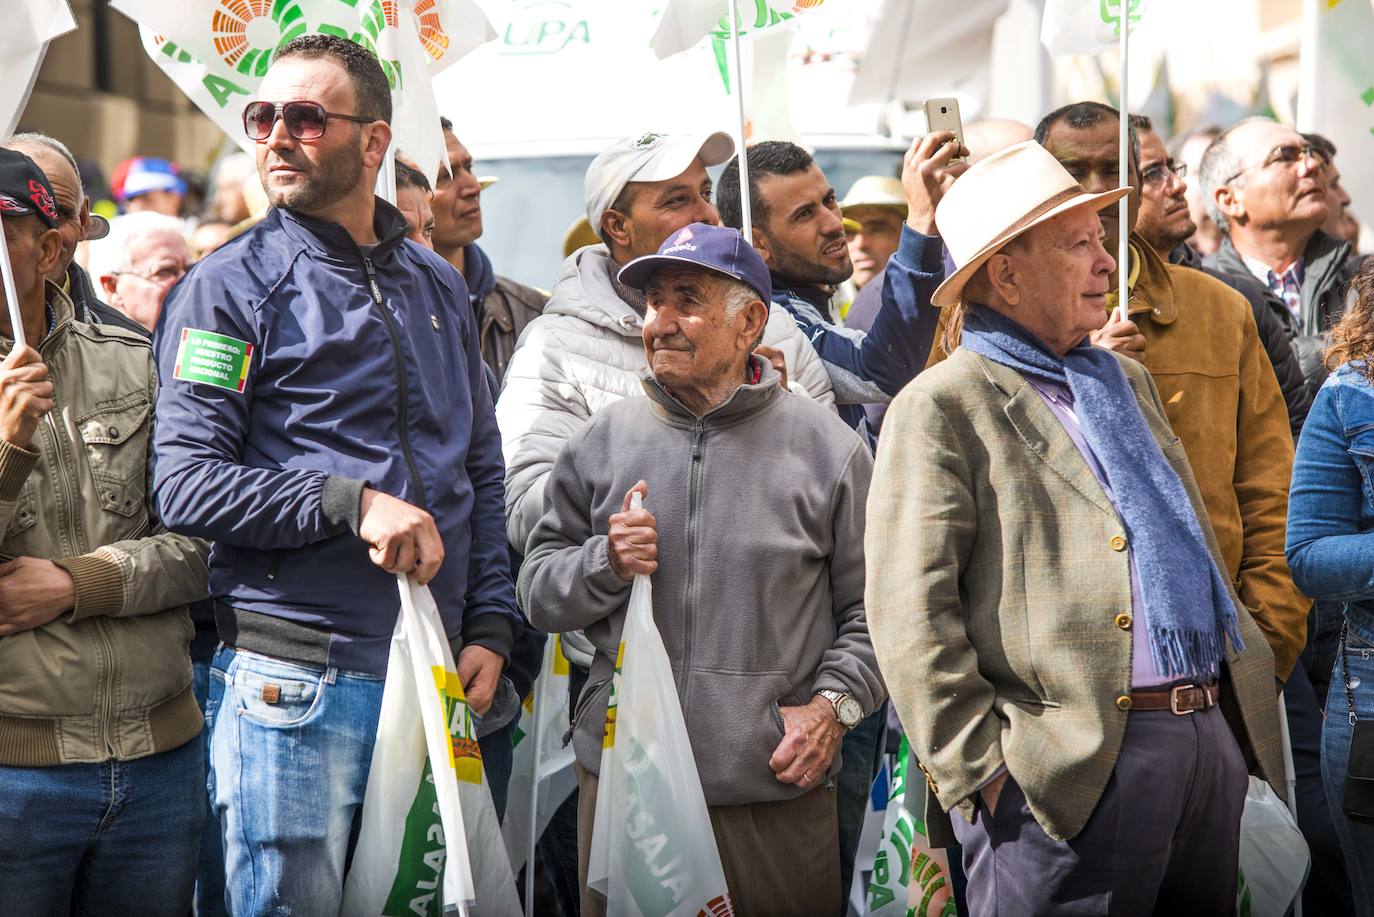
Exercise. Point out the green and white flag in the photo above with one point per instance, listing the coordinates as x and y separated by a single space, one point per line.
217 52
1336 90
1087 26
910 878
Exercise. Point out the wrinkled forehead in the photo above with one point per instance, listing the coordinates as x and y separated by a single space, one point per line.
682 280
1255 140
314 79
157 245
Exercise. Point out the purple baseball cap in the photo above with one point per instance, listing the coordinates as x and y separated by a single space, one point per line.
718 249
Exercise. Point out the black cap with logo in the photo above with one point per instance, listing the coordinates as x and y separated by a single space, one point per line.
24 189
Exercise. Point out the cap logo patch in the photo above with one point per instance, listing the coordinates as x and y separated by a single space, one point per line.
648 139
682 243
10 205
42 199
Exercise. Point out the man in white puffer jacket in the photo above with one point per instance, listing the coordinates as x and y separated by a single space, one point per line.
587 349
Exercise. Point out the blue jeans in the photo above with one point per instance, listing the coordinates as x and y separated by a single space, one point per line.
110 839
210 869
290 748
1357 840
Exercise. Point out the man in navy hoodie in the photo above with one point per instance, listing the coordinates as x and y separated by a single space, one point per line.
324 418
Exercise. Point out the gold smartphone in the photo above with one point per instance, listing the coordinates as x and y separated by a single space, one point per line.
943 115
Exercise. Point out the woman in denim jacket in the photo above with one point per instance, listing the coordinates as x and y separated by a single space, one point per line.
1331 549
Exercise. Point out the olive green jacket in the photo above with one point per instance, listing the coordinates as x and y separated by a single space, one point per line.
996 580
111 678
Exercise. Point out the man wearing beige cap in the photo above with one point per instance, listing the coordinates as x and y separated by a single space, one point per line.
1044 591
877 204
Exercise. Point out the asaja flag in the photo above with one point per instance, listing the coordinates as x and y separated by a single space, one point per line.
1087 26
217 52
542 773
686 22
910 878
29 25
1336 90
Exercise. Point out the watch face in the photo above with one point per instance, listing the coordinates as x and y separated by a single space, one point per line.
850 712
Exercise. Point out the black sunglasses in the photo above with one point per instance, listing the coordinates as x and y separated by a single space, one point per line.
304 120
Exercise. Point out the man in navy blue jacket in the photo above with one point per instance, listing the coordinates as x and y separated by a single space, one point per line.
324 418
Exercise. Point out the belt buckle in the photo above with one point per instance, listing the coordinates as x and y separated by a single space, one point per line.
1173 699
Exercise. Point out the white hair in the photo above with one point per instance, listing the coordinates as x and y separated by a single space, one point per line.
112 254
1222 163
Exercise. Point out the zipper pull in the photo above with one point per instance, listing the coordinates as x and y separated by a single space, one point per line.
372 280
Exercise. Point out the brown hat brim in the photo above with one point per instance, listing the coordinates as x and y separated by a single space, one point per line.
949 292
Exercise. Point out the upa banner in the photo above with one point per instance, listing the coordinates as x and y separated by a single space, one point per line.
910 878
217 52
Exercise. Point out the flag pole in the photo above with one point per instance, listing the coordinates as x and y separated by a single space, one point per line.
737 81
1123 252
11 295
533 840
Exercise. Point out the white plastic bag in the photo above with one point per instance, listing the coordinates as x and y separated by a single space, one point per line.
910 878
429 842
1274 858
653 851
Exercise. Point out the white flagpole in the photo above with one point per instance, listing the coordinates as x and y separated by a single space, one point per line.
737 81
1123 252
11 295
533 840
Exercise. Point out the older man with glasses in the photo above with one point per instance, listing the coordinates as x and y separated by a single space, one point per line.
324 417
150 255
1264 185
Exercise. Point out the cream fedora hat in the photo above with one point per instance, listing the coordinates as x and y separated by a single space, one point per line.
999 199
876 191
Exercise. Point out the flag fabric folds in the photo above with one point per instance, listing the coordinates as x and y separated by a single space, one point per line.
910 878
1086 26
29 26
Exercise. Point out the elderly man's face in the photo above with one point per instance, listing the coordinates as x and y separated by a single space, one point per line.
157 260
1092 155
73 212
1164 220
692 343
34 250
1055 278
1339 223
1280 183
875 242
804 236
660 208
414 205
457 202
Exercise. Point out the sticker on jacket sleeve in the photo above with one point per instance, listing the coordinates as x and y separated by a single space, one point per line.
213 359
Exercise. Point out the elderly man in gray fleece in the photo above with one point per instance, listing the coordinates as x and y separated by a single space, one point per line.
752 529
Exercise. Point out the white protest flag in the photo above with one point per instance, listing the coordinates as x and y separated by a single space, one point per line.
542 773
1336 89
686 22
910 878
653 851
217 52
29 26
1086 26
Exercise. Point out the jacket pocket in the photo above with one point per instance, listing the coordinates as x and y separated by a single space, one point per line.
735 723
25 513
118 458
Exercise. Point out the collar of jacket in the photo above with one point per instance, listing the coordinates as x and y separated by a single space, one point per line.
747 400
1153 290
1322 259
480 277
1185 255
818 297
63 312
332 241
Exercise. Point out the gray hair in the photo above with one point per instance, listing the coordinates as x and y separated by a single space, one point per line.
1221 164
124 233
737 295
31 138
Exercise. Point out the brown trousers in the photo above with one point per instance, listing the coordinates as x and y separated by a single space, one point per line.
780 858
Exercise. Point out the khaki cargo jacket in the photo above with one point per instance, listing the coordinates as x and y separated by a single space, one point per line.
111 678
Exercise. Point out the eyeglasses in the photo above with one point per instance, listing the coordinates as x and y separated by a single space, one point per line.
168 273
304 120
1158 173
1288 154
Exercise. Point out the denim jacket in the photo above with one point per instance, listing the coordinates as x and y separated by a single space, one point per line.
1331 503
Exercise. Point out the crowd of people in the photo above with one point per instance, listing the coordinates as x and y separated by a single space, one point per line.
906 463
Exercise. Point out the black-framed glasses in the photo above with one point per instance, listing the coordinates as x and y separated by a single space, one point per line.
1158 173
1287 154
304 120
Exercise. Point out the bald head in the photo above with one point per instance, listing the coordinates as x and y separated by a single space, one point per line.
990 135
73 211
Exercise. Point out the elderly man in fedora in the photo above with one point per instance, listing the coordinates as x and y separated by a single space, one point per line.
752 529
1080 682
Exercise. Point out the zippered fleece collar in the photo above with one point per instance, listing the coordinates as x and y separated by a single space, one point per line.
747 400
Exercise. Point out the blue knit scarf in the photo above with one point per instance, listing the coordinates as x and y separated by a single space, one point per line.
1187 601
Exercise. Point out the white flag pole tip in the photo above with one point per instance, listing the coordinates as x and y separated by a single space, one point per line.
11 295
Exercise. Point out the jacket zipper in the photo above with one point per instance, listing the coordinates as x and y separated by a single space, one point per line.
400 381
96 625
589 692
693 507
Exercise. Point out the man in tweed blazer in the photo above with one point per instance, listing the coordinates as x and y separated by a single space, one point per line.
1084 690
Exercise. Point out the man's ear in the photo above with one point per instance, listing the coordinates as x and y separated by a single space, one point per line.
615 228
755 320
763 245
376 138
1003 278
108 282
48 251
1228 202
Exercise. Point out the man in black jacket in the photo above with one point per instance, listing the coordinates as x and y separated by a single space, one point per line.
1166 224
76 223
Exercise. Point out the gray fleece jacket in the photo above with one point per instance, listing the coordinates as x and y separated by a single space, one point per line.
759 589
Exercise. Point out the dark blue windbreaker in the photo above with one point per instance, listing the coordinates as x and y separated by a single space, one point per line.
363 369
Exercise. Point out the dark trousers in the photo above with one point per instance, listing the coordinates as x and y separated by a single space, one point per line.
1164 838
861 756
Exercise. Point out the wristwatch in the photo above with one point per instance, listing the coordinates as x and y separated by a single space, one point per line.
847 710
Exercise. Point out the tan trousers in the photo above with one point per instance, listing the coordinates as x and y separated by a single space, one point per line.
780 858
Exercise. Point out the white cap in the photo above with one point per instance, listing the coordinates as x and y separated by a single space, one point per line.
647 158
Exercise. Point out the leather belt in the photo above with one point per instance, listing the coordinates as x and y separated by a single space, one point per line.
1179 700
